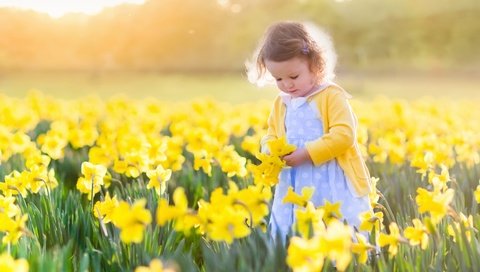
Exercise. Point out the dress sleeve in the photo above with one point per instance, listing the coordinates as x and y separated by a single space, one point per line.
340 135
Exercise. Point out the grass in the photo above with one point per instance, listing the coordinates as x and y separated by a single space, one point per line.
412 85
173 87
230 87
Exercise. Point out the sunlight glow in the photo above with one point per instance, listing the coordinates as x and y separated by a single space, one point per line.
58 8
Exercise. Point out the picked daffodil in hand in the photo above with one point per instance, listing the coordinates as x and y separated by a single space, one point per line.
279 147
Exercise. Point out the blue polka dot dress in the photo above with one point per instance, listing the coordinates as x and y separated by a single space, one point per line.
302 125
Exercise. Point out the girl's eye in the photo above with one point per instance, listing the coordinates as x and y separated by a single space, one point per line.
294 77
278 79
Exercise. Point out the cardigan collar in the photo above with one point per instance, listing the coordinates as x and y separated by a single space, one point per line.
296 102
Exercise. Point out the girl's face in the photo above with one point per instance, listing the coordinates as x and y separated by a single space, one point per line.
293 76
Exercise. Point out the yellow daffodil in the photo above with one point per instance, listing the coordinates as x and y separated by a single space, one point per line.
336 244
188 223
373 195
299 200
370 221
19 142
15 183
156 151
8 206
92 179
9 264
251 144
131 220
304 255
37 159
5 222
154 266
332 211
39 177
158 179
174 158
467 223
391 240
436 203
167 213
476 194
104 209
204 161
200 139
309 221
361 248
54 142
268 170
130 145
101 155
227 226
379 154
279 147
132 165
14 229
254 199
83 134
231 162
417 235
423 163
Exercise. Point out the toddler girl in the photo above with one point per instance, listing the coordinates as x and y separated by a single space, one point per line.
314 114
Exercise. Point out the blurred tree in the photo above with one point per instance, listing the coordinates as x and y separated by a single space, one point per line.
213 35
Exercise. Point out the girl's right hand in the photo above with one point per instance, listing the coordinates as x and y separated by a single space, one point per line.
297 157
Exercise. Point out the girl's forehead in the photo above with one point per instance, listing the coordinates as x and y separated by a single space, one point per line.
287 66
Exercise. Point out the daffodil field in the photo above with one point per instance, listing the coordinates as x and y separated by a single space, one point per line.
125 184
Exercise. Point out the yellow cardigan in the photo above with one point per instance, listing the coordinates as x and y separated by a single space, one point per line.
339 139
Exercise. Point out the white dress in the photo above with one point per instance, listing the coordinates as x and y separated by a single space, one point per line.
302 125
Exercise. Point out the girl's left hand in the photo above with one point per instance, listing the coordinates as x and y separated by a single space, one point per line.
297 157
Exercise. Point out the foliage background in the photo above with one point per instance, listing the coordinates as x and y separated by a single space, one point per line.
213 36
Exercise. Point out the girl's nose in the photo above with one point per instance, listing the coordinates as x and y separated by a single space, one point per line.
289 84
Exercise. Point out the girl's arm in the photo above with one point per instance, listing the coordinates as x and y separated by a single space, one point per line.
272 132
341 129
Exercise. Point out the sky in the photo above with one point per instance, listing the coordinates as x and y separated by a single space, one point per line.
58 8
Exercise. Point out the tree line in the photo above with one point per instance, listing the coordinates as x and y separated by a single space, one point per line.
209 35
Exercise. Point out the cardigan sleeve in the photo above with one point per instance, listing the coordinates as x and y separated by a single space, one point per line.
340 135
272 127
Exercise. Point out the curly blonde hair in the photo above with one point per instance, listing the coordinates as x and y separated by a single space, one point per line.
286 40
